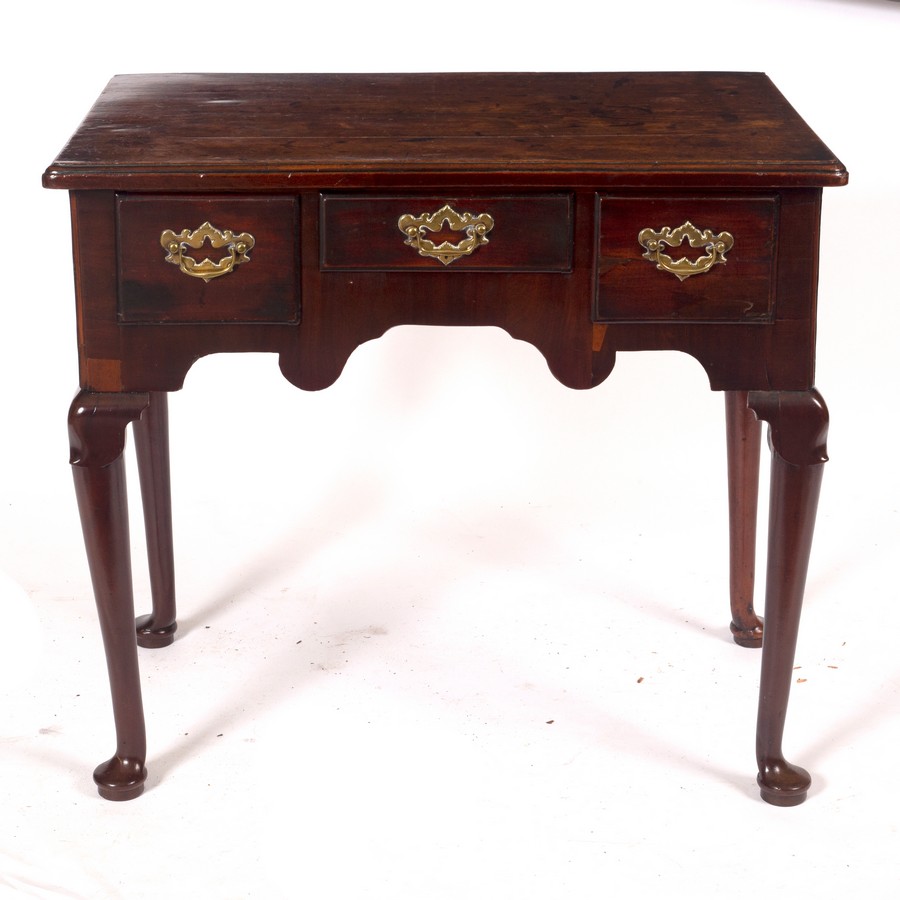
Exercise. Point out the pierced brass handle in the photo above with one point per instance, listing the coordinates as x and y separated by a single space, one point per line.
717 245
239 245
475 228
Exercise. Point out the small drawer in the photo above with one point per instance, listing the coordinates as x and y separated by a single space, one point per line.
696 259
243 265
531 233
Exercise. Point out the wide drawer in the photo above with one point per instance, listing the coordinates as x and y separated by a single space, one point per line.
525 233
697 259
213 259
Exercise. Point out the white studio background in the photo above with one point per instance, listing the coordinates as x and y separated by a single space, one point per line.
446 503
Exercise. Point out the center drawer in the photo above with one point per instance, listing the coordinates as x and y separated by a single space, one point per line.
522 233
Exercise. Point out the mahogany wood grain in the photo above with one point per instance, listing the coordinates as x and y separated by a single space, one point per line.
743 433
266 291
151 439
340 312
798 427
237 132
531 233
319 168
97 436
630 288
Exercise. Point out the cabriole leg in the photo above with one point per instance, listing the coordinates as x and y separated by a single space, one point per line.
743 431
151 439
798 425
97 436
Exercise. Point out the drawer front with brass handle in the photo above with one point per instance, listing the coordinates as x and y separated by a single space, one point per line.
531 233
208 259
696 259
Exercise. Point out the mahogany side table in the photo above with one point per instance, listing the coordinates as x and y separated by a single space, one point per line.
585 213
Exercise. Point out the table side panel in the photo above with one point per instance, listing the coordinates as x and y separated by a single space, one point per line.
100 349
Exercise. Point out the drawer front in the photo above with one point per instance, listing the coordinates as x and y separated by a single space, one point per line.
207 259
696 259
531 233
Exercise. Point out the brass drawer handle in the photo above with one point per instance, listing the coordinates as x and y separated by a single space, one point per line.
239 245
717 245
475 227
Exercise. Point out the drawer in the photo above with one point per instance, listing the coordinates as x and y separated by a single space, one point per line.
658 259
530 233
212 259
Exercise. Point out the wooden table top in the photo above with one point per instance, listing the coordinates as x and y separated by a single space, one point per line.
276 132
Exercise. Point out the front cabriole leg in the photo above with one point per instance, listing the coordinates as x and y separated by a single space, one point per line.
798 426
97 424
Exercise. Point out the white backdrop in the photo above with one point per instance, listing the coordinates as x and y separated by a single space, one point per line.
443 455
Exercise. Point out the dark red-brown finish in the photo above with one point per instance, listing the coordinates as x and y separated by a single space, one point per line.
798 427
532 234
282 132
319 168
743 433
631 289
266 291
97 438
151 439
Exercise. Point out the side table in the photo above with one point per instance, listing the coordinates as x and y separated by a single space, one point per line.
584 213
